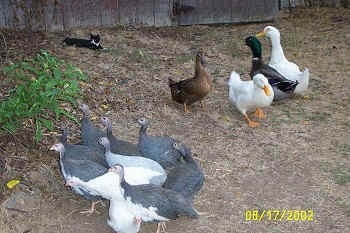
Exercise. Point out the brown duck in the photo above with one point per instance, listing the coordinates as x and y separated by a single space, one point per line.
194 89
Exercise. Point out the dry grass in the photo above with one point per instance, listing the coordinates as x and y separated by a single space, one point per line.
297 159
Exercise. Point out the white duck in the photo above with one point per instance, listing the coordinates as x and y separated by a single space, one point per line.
250 95
279 62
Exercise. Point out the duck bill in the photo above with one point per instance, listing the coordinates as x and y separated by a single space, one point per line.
267 90
260 34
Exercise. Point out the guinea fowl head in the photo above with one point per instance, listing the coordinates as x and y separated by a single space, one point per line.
119 170
85 109
103 141
182 148
143 122
59 147
106 121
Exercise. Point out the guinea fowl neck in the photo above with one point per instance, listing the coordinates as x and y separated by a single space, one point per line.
143 130
109 129
107 147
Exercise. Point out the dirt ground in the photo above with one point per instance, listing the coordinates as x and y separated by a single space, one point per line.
298 159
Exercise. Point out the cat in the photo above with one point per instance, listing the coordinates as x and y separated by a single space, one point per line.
93 43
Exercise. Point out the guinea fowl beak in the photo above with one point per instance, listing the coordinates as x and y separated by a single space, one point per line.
260 34
267 90
52 148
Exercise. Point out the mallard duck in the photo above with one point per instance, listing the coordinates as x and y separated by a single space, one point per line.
280 63
249 95
194 89
282 87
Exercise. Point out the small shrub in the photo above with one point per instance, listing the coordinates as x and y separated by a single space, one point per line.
43 83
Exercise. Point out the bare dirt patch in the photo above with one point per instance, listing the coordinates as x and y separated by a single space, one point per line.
297 159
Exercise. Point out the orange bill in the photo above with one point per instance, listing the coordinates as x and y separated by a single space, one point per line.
267 90
260 34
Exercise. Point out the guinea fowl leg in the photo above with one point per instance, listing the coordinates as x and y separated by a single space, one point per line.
251 123
185 108
259 113
92 208
161 227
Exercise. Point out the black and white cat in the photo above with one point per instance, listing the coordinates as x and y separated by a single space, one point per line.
93 43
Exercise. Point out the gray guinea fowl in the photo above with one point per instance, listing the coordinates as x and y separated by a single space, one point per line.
157 148
83 168
186 178
89 133
81 152
119 146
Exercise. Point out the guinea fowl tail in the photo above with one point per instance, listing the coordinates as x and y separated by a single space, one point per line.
234 77
170 82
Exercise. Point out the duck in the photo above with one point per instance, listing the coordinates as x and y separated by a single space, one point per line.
186 178
250 95
279 62
139 170
282 87
85 169
194 89
157 148
141 203
119 146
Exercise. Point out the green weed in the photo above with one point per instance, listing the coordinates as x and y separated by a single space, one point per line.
42 84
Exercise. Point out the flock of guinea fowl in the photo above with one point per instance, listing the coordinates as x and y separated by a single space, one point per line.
157 180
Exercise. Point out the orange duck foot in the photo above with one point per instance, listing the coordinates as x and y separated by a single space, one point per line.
251 123
259 113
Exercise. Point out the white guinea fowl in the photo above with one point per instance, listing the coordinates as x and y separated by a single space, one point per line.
250 95
279 62
138 170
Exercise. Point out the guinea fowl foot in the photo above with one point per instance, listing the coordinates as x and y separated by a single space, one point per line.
251 123
259 113
91 210
161 227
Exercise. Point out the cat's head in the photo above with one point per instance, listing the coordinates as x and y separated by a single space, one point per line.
96 38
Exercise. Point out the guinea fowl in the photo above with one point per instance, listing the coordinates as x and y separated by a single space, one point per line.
81 152
119 146
89 133
131 205
194 89
138 170
282 87
186 178
157 148
83 168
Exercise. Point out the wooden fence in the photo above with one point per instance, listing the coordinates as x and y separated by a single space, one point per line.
58 15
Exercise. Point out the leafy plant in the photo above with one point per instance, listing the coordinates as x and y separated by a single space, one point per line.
43 83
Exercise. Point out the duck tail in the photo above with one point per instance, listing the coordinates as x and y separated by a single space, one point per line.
303 80
234 77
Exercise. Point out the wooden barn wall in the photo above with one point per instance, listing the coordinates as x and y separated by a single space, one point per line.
58 15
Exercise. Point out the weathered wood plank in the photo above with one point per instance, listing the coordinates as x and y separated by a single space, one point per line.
127 11
62 15
162 14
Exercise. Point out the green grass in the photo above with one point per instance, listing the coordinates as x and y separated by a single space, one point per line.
43 83
341 175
